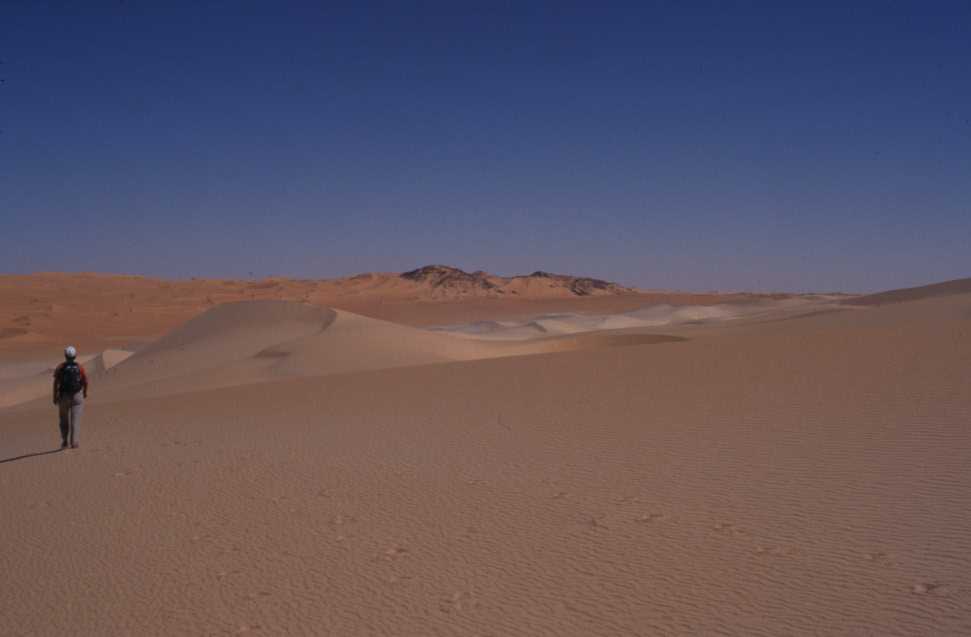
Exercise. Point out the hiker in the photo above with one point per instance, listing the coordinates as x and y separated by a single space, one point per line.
70 390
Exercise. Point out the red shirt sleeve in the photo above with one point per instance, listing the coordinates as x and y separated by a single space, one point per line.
84 377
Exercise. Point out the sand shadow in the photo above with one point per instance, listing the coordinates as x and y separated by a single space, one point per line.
31 455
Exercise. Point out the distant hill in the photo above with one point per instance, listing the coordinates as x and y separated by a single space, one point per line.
443 280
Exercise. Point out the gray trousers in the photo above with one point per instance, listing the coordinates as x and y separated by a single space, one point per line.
69 409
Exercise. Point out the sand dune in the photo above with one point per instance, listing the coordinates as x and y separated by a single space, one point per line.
24 383
258 341
805 476
957 286
651 316
251 342
220 337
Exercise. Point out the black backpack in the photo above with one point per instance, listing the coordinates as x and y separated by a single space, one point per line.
70 380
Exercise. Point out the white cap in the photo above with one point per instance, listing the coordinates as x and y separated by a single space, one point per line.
70 352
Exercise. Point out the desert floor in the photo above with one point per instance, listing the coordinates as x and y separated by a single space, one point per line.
274 467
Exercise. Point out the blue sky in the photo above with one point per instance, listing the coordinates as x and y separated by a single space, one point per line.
696 145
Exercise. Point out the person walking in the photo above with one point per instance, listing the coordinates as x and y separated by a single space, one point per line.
70 390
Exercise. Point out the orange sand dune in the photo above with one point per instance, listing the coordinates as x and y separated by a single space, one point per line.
806 476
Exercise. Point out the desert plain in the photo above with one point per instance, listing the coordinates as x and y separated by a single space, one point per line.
452 453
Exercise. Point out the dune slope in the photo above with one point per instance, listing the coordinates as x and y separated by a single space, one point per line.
259 341
956 286
24 388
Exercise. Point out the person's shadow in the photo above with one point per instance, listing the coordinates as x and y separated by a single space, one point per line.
31 455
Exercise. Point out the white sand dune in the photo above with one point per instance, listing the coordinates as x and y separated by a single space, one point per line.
765 477
659 315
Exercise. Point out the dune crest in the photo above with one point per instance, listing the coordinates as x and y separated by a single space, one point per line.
260 341
945 288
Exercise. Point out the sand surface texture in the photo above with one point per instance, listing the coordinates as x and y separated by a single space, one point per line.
282 468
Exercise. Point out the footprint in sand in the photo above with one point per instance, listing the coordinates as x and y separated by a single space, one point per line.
398 579
459 600
776 551
727 528
877 557
928 588
338 524
340 520
395 552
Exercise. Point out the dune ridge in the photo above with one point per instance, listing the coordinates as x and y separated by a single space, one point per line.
250 342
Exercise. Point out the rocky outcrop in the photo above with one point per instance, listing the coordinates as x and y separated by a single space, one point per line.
450 280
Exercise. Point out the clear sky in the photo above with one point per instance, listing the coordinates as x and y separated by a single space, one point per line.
696 145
